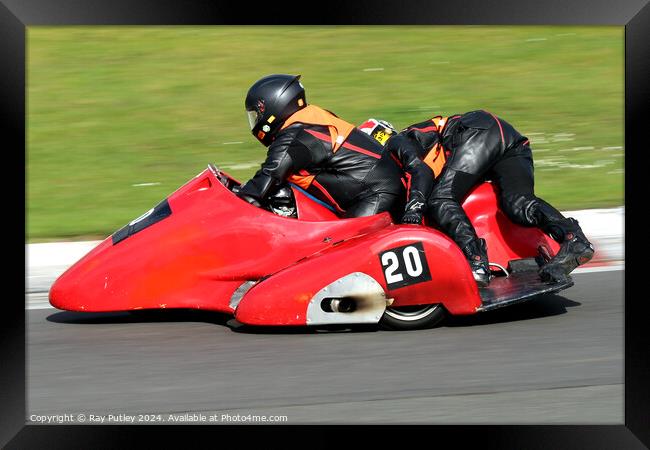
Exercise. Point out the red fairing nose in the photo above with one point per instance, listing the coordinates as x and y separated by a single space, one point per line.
195 249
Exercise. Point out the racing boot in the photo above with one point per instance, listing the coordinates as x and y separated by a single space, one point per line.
476 253
575 250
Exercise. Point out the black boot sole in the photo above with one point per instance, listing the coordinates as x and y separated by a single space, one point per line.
568 265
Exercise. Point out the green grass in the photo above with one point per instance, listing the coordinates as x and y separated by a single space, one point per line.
110 107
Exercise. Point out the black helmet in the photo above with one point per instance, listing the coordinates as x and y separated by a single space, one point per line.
270 101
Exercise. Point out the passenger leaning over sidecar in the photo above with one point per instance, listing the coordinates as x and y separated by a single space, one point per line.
464 150
318 151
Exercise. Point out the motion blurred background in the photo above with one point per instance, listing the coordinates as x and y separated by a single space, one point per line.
120 117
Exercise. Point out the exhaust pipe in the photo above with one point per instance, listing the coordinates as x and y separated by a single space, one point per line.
338 305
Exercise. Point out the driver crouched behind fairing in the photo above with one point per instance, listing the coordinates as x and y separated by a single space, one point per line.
462 151
314 149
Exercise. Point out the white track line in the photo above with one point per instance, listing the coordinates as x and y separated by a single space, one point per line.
609 268
38 301
36 306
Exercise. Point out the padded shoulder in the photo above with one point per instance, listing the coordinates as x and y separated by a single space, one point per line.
478 119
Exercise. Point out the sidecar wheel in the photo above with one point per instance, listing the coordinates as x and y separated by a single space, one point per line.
412 317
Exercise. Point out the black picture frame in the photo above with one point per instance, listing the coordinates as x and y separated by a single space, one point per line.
16 15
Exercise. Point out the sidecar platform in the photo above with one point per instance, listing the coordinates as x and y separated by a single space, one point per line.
523 283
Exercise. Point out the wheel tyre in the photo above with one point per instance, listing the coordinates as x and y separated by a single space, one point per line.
412 317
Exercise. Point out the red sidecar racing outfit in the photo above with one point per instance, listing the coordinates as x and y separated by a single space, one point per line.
332 160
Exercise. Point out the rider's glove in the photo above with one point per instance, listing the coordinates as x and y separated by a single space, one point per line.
414 208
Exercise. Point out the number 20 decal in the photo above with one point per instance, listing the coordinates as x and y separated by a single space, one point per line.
405 265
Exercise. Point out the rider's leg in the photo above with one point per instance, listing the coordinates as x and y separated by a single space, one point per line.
514 175
444 211
375 204
475 144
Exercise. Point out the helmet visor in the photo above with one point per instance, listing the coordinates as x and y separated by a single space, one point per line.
253 116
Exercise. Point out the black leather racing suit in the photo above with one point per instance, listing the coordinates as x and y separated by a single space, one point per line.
480 146
358 179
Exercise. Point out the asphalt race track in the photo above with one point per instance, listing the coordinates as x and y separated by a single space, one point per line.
555 359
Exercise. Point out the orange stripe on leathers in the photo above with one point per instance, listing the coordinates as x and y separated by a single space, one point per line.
304 181
314 115
436 158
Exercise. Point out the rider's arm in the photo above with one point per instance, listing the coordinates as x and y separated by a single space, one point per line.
408 152
278 165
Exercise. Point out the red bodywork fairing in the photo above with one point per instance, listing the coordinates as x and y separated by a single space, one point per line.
213 242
